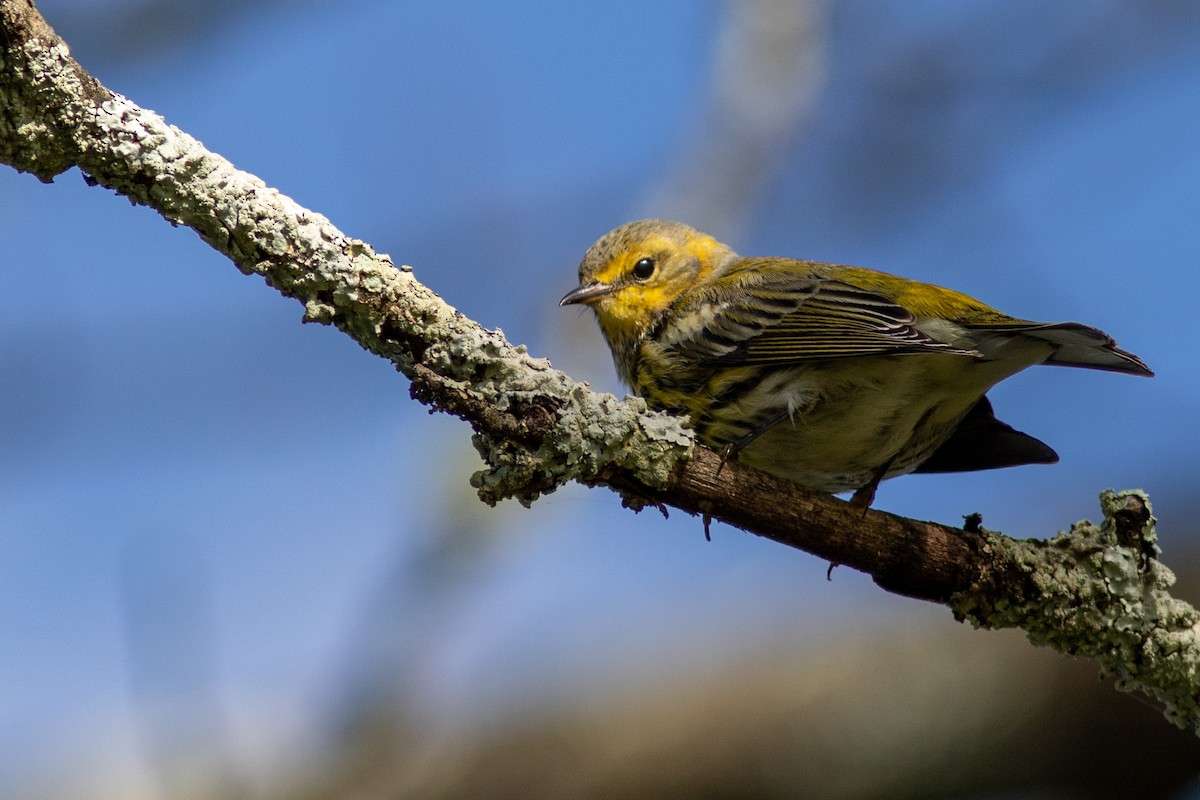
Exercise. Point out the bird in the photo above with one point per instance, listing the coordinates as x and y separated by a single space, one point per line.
834 377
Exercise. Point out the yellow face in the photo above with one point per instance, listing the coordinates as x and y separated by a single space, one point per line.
632 274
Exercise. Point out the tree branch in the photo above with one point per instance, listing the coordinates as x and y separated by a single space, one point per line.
1098 590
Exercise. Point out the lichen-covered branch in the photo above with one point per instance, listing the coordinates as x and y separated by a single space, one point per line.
54 116
1098 591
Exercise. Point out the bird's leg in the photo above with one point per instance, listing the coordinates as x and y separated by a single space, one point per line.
730 451
865 494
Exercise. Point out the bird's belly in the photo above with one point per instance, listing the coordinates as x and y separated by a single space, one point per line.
858 424
838 452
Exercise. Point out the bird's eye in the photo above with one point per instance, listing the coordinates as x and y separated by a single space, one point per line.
643 269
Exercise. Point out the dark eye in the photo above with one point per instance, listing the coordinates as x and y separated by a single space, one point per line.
643 269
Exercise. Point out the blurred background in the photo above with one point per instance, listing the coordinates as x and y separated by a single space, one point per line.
236 561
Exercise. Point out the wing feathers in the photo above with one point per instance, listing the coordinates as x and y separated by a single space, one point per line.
782 319
789 315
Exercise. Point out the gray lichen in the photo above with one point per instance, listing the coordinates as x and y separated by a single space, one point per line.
594 432
1092 591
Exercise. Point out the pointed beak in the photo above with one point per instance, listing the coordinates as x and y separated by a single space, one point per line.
586 294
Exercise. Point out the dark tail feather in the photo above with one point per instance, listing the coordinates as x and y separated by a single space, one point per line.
1082 346
983 442
1075 345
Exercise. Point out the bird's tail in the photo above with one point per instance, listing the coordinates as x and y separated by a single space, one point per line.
1078 345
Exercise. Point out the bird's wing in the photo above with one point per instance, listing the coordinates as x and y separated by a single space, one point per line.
763 317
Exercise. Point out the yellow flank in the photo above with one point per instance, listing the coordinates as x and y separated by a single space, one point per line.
835 377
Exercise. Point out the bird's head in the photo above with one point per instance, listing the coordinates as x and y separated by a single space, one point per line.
633 273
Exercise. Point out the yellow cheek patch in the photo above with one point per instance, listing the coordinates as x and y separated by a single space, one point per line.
706 249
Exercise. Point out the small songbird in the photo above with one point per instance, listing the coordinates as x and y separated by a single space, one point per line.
831 376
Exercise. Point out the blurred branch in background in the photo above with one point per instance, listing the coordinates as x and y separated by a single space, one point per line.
769 67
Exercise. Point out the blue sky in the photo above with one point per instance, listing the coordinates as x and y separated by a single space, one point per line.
170 434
